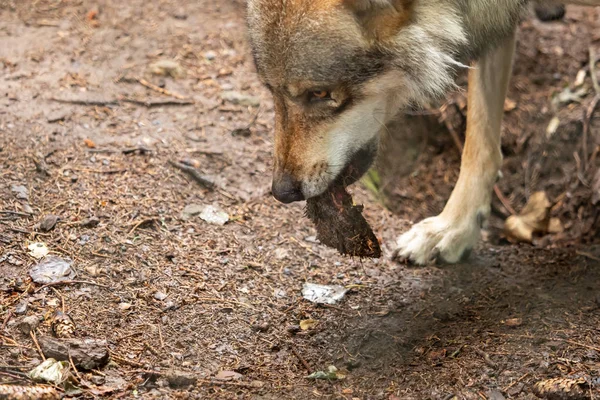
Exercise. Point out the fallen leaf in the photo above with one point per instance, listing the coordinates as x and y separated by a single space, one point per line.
20 192
214 215
308 324
238 98
555 226
228 375
52 269
569 96
331 374
90 143
552 127
167 68
514 322
160 296
437 355
323 293
580 79
533 219
509 105
38 250
51 371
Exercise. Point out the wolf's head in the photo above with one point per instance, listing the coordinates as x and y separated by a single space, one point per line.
339 70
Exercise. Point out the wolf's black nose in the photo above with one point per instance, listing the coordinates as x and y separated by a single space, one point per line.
286 189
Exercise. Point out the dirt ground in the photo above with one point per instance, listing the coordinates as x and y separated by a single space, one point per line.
90 132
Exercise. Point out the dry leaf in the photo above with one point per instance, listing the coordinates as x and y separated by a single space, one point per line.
308 324
38 250
509 105
90 143
228 376
580 79
514 322
552 127
533 219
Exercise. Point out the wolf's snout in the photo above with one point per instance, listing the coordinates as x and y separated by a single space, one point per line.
286 188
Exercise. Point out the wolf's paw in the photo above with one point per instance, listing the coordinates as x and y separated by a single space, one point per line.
437 239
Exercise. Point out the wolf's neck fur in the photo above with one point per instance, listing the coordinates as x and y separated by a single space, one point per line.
484 23
488 22
448 34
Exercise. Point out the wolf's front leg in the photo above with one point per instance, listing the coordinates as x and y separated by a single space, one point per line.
450 235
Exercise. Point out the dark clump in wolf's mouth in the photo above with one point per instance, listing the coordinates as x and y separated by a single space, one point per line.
341 225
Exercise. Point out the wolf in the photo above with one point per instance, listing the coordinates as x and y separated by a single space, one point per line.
340 70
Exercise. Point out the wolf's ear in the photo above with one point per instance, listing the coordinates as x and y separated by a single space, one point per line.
380 18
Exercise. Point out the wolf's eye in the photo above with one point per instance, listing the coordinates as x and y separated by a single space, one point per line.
319 95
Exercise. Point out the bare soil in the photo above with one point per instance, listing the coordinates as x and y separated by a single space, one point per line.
85 133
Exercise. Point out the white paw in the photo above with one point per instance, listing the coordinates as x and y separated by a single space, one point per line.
437 238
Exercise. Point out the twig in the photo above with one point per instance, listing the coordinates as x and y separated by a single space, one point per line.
587 255
59 283
142 222
19 230
37 345
127 150
586 127
504 200
593 58
15 375
125 361
225 383
486 357
586 346
158 89
116 102
62 299
302 360
151 349
194 174
160 337
74 368
87 102
20 214
222 300
574 343
157 103
515 382
9 315
191 271
100 171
